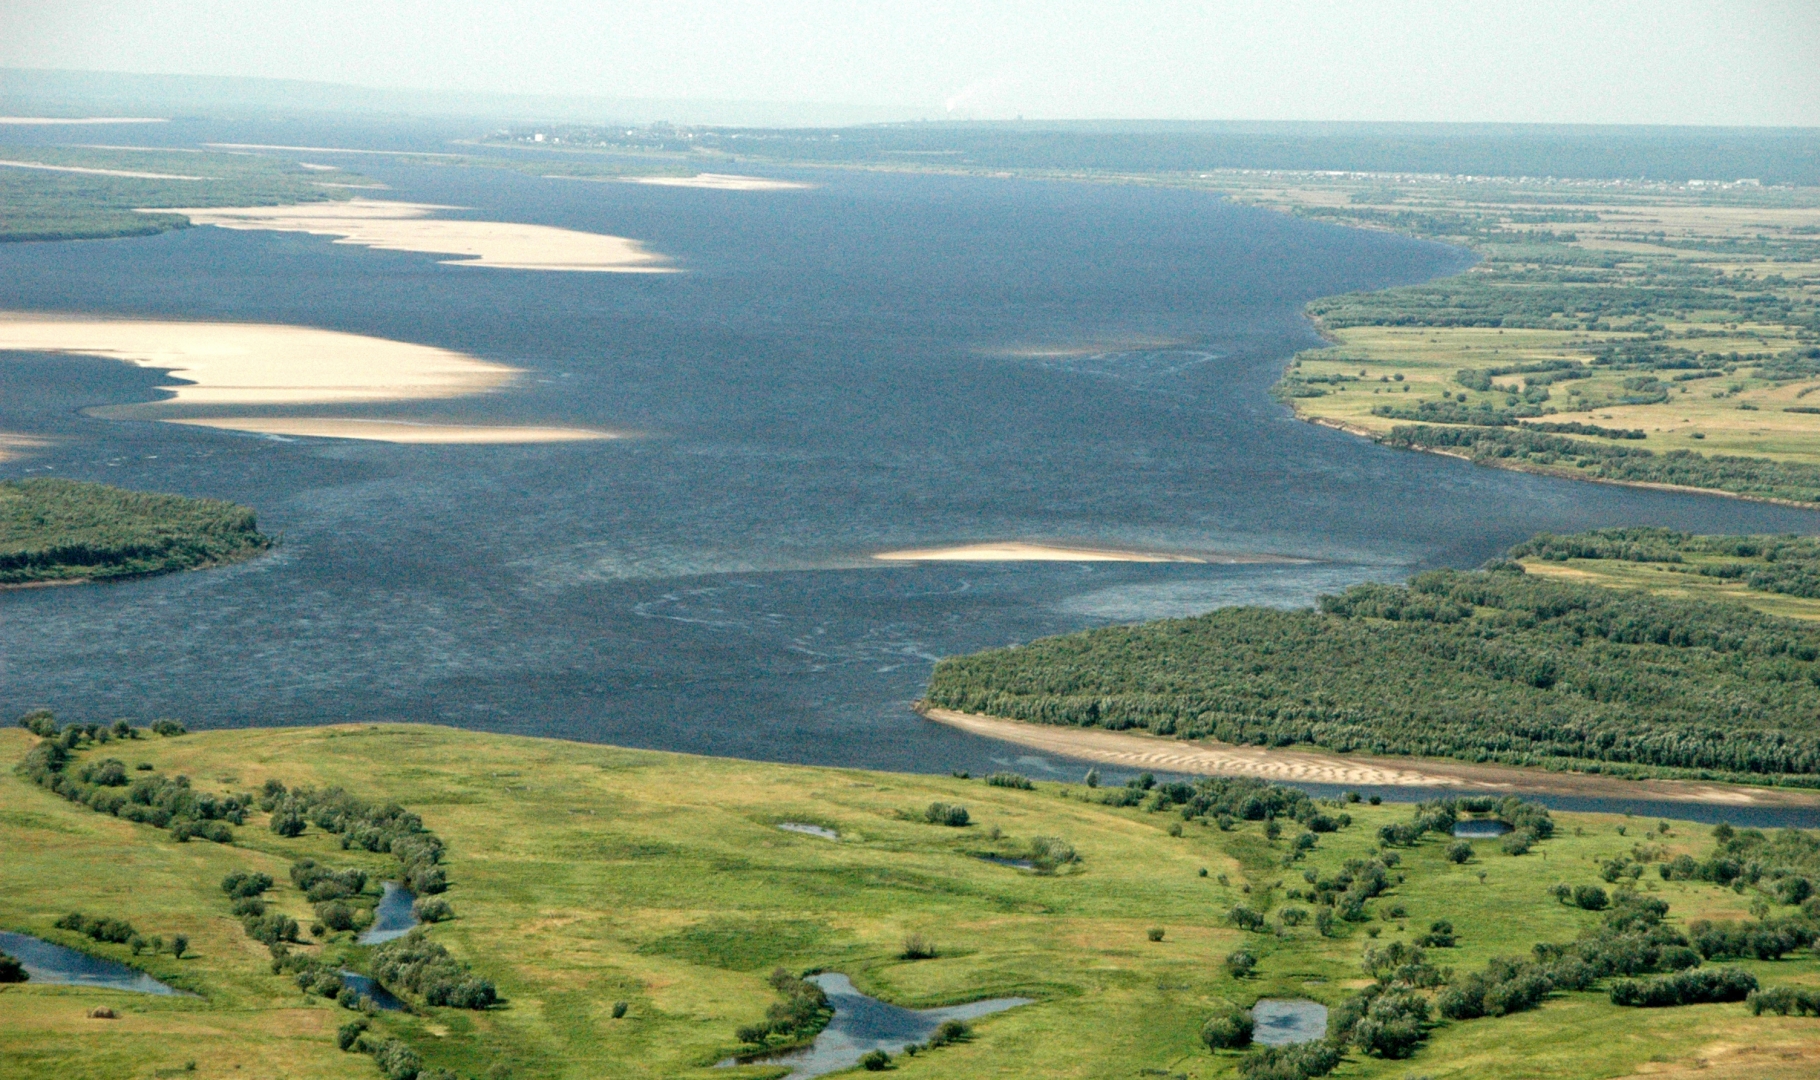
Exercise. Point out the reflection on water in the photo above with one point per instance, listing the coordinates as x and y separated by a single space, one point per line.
1279 1022
59 966
1480 828
393 918
862 1024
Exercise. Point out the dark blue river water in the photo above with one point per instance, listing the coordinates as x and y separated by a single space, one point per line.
838 372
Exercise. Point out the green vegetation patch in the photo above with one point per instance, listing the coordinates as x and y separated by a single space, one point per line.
742 944
1788 565
68 530
49 204
1490 665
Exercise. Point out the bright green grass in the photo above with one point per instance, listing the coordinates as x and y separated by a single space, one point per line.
586 874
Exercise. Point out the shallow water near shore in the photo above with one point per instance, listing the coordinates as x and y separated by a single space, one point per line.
862 1024
880 362
55 965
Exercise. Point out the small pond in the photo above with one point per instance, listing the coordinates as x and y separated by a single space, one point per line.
1279 1022
393 918
1001 860
1480 828
862 1024
808 830
362 985
58 966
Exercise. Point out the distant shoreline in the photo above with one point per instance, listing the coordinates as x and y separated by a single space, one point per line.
1311 766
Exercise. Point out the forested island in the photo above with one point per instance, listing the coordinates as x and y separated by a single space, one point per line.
1493 665
54 530
596 912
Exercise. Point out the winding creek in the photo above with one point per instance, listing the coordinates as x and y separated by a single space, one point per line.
57 965
862 1024
393 918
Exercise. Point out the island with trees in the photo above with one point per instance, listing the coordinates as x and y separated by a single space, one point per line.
55 531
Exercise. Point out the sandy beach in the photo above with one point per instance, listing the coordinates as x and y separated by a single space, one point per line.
99 172
400 226
1206 758
719 182
230 365
398 431
1019 551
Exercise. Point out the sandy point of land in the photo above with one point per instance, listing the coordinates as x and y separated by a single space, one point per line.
1207 758
721 182
1019 551
98 172
257 363
400 226
399 431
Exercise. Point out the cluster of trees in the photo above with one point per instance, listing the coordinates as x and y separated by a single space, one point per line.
98 928
53 530
802 1013
396 1060
1490 665
941 813
1010 780
1685 988
363 825
423 967
105 786
1789 565
1783 1000
1759 477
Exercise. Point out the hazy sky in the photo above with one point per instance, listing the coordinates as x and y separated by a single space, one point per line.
1658 61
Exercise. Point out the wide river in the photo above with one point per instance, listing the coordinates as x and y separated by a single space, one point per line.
881 361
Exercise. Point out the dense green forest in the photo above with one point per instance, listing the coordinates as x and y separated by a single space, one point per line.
1789 565
1489 665
1793 481
68 530
46 204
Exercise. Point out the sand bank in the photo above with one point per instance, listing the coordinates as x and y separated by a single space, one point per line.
99 172
1207 758
401 226
398 431
17 446
1018 551
720 182
258 363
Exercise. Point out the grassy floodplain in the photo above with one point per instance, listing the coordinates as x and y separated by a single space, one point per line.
58 531
584 875
1684 314
93 193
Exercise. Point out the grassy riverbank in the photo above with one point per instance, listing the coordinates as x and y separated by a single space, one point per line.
584 875
93 193
66 530
1637 333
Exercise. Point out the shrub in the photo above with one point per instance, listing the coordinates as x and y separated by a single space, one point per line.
242 883
1685 988
1439 936
179 945
619 1010
1459 851
875 1061
270 928
1240 963
803 1011
1050 852
1783 1000
1228 1030
1010 780
168 728
432 909
396 1060
11 970
940 813
918 947
1155 933
1392 1026
1298 1062
1518 842
1293 916
1590 897
425 968
1245 918
951 1031
113 931
288 823
335 915
349 1033
248 905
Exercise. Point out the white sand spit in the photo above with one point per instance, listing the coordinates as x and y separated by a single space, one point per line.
100 172
36 120
402 226
1208 758
398 431
257 363
720 182
1018 551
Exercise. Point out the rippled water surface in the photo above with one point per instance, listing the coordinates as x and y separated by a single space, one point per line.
878 362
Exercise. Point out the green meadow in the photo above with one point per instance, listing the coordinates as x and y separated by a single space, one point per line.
585 875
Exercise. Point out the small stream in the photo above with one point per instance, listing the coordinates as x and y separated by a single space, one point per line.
862 1024
393 918
56 965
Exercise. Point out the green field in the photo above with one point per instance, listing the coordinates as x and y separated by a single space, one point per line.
583 875
48 204
66 530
